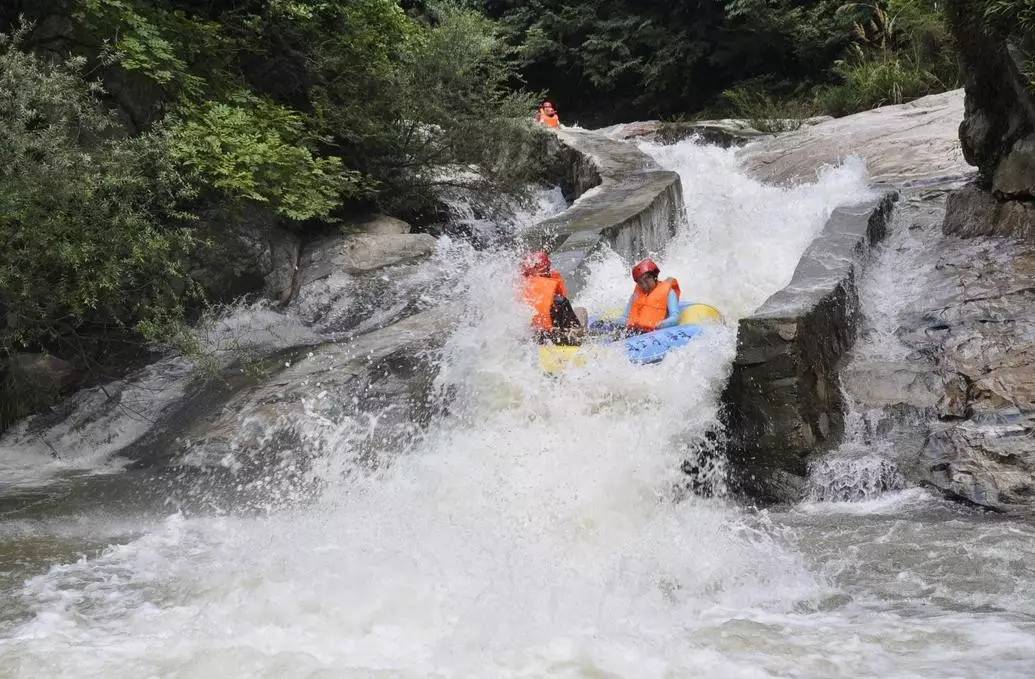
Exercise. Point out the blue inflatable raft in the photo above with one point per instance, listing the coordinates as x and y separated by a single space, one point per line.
649 347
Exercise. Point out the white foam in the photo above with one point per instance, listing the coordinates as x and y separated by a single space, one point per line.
536 529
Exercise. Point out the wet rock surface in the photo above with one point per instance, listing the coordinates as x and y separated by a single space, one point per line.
959 395
783 400
331 385
345 279
42 371
973 211
998 129
360 253
725 132
633 205
914 142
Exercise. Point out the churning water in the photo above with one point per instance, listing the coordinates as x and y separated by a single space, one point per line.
540 526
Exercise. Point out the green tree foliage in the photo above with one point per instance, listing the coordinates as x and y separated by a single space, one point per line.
90 232
612 59
447 118
250 149
354 93
215 118
615 58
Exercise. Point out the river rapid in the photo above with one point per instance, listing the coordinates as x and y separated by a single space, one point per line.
538 527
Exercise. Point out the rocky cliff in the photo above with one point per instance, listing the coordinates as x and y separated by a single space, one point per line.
938 389
998 129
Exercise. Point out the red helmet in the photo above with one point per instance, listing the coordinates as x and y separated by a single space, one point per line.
646 266
536 264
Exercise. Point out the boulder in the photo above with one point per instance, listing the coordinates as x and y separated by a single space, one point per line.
378 225
970 211
339 287
1000 108
720 132
344 388
990 463
249 253
284 250
625 201
973 211
361 253
1015 175
43 372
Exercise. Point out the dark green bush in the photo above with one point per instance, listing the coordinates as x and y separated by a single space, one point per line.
90 233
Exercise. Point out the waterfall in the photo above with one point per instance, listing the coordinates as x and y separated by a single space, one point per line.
531 525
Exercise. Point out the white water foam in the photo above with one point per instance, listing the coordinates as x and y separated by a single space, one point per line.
534 530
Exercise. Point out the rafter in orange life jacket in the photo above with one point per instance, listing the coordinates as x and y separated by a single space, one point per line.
651 308
548 119
539 292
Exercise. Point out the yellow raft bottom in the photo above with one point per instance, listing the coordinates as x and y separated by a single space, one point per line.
555 359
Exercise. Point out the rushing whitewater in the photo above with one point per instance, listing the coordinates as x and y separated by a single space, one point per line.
542 527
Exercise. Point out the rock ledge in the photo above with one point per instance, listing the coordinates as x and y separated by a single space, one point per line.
783 400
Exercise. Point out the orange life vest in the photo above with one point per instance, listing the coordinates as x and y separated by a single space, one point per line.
549 121
650 309
539 292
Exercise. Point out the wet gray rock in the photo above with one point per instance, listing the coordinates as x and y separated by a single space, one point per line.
783 400
627 202
336 387
378 225
972 211
251 253
913 383
914 142
340 282
1000 107
1014 177
360 253
998 130
723 133
958 405
989 463
284 249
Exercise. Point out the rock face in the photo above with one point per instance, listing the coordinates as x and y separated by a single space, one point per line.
723 133
726 132
954 403
378 225
783 400
361 253
973 211
326 386
998 130
981 333
628 202
43 371
914 142
341 281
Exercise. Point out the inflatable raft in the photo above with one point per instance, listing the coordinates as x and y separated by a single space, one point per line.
649 347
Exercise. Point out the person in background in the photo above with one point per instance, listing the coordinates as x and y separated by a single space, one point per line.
654 304
547 115
545 291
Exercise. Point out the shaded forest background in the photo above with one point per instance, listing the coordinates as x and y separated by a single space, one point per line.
145 143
